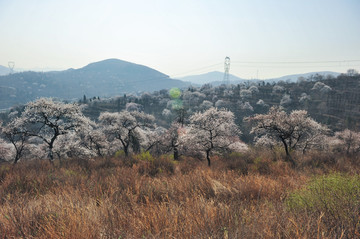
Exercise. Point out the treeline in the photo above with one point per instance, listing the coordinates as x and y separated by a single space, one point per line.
50 129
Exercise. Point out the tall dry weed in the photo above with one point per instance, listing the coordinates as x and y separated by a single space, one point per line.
109 198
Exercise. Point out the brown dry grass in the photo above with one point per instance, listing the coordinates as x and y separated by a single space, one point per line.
109 198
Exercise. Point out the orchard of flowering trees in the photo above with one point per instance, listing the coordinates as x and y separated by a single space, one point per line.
47 129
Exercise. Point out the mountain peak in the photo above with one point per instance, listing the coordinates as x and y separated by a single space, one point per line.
108 63
105 78
120 67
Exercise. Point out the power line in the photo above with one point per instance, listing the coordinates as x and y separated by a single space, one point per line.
196 70
293 66
293 62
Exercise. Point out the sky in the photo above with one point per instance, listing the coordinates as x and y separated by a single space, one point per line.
263 38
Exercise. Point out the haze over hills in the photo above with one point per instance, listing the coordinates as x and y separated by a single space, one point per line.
295 77
4 70
210 77
216 77
105 79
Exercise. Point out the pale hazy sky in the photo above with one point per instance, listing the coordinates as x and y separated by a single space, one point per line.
184 37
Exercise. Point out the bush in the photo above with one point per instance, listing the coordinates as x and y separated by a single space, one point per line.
145 156
237 162
261 165
152 166
318 159
336 196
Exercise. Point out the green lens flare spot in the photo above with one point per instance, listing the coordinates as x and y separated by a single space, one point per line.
175 93
177 104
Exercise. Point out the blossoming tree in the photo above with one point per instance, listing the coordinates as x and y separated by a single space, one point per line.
213 130
294 131
126 127
47 120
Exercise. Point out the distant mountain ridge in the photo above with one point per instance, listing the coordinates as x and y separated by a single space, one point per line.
105 78
216 78
295 77
4 70
210 77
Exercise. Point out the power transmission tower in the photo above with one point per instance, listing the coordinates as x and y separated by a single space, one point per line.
11 65
227 69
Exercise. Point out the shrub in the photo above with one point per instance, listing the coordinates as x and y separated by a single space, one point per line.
119 154
188 164
261 165
336 196
152 166
237 162
145 156
317 159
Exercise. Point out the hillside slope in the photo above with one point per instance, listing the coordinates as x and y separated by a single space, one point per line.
105 79
215 78
4 70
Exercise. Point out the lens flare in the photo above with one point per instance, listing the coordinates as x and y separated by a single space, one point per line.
175 93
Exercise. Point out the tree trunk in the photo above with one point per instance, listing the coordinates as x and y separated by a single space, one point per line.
208 157
17 157
291 160
176 154
126 151
288 156
286 147
51 155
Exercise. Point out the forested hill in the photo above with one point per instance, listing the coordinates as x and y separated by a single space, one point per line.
332 101
105 79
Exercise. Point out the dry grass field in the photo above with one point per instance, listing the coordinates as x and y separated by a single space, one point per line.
251 195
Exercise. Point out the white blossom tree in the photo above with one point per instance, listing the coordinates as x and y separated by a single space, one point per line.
125 126
94 139
294 131
213 130
171 139
246 94
5 151
153 139
304 98
323 88
70 145
133 107
47 120
254 89
348 141
260 102
246 106
205 105
16 133
285 100
277 89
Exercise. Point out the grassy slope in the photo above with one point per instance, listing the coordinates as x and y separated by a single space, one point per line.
112 198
